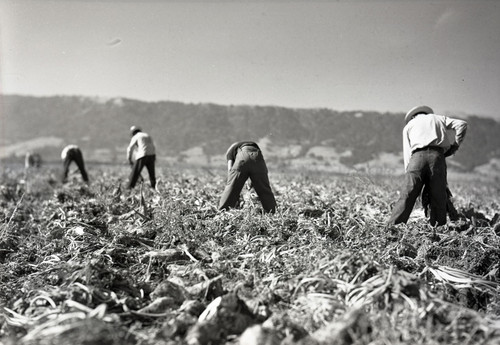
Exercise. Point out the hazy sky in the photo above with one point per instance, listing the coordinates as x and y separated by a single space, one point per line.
343 55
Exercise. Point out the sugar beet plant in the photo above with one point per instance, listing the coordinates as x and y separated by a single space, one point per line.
100 264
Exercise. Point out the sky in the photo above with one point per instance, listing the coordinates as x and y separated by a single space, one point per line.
380 55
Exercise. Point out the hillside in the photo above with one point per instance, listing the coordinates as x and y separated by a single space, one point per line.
200 133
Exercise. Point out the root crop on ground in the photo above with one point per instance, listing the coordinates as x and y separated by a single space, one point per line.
100 264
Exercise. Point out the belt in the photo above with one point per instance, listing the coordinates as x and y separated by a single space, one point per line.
427 148
248 147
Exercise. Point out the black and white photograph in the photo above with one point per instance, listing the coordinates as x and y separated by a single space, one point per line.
249 172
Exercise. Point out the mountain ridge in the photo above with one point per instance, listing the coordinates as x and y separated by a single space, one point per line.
187 132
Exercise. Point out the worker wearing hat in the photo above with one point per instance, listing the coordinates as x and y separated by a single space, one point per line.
245 160
72 153
143 149
425 146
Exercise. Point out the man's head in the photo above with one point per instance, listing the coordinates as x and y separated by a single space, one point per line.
421 109
134 130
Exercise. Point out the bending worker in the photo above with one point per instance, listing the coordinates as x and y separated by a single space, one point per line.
425 144
145 156
72 153
245 160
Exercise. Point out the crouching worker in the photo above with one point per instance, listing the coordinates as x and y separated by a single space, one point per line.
245 160
145 155
32 160
72 153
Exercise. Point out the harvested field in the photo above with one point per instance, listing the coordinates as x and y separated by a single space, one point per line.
102 265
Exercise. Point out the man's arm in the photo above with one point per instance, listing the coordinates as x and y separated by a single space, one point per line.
460 128
231 155
406 148
130 147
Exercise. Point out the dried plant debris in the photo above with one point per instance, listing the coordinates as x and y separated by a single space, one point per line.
101 264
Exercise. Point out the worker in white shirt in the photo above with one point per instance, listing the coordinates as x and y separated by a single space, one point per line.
425 144
72 153
143 149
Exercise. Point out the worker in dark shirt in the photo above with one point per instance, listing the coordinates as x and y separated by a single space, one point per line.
245 160
72 153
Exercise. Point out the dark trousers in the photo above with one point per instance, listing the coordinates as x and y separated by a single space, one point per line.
450 208
149 163
74 155
249 163
427 167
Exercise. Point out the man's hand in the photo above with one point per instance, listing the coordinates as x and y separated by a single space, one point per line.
451 151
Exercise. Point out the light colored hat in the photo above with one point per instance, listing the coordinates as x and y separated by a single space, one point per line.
421 109
134 129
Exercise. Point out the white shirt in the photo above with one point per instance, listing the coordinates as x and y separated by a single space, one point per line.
431 130
65 150
143 144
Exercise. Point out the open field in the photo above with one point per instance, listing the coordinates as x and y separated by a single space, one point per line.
102 265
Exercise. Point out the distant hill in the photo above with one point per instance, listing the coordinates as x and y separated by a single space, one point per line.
200 133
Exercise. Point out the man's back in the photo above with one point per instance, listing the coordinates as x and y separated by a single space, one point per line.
144 143
427 130
431 130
